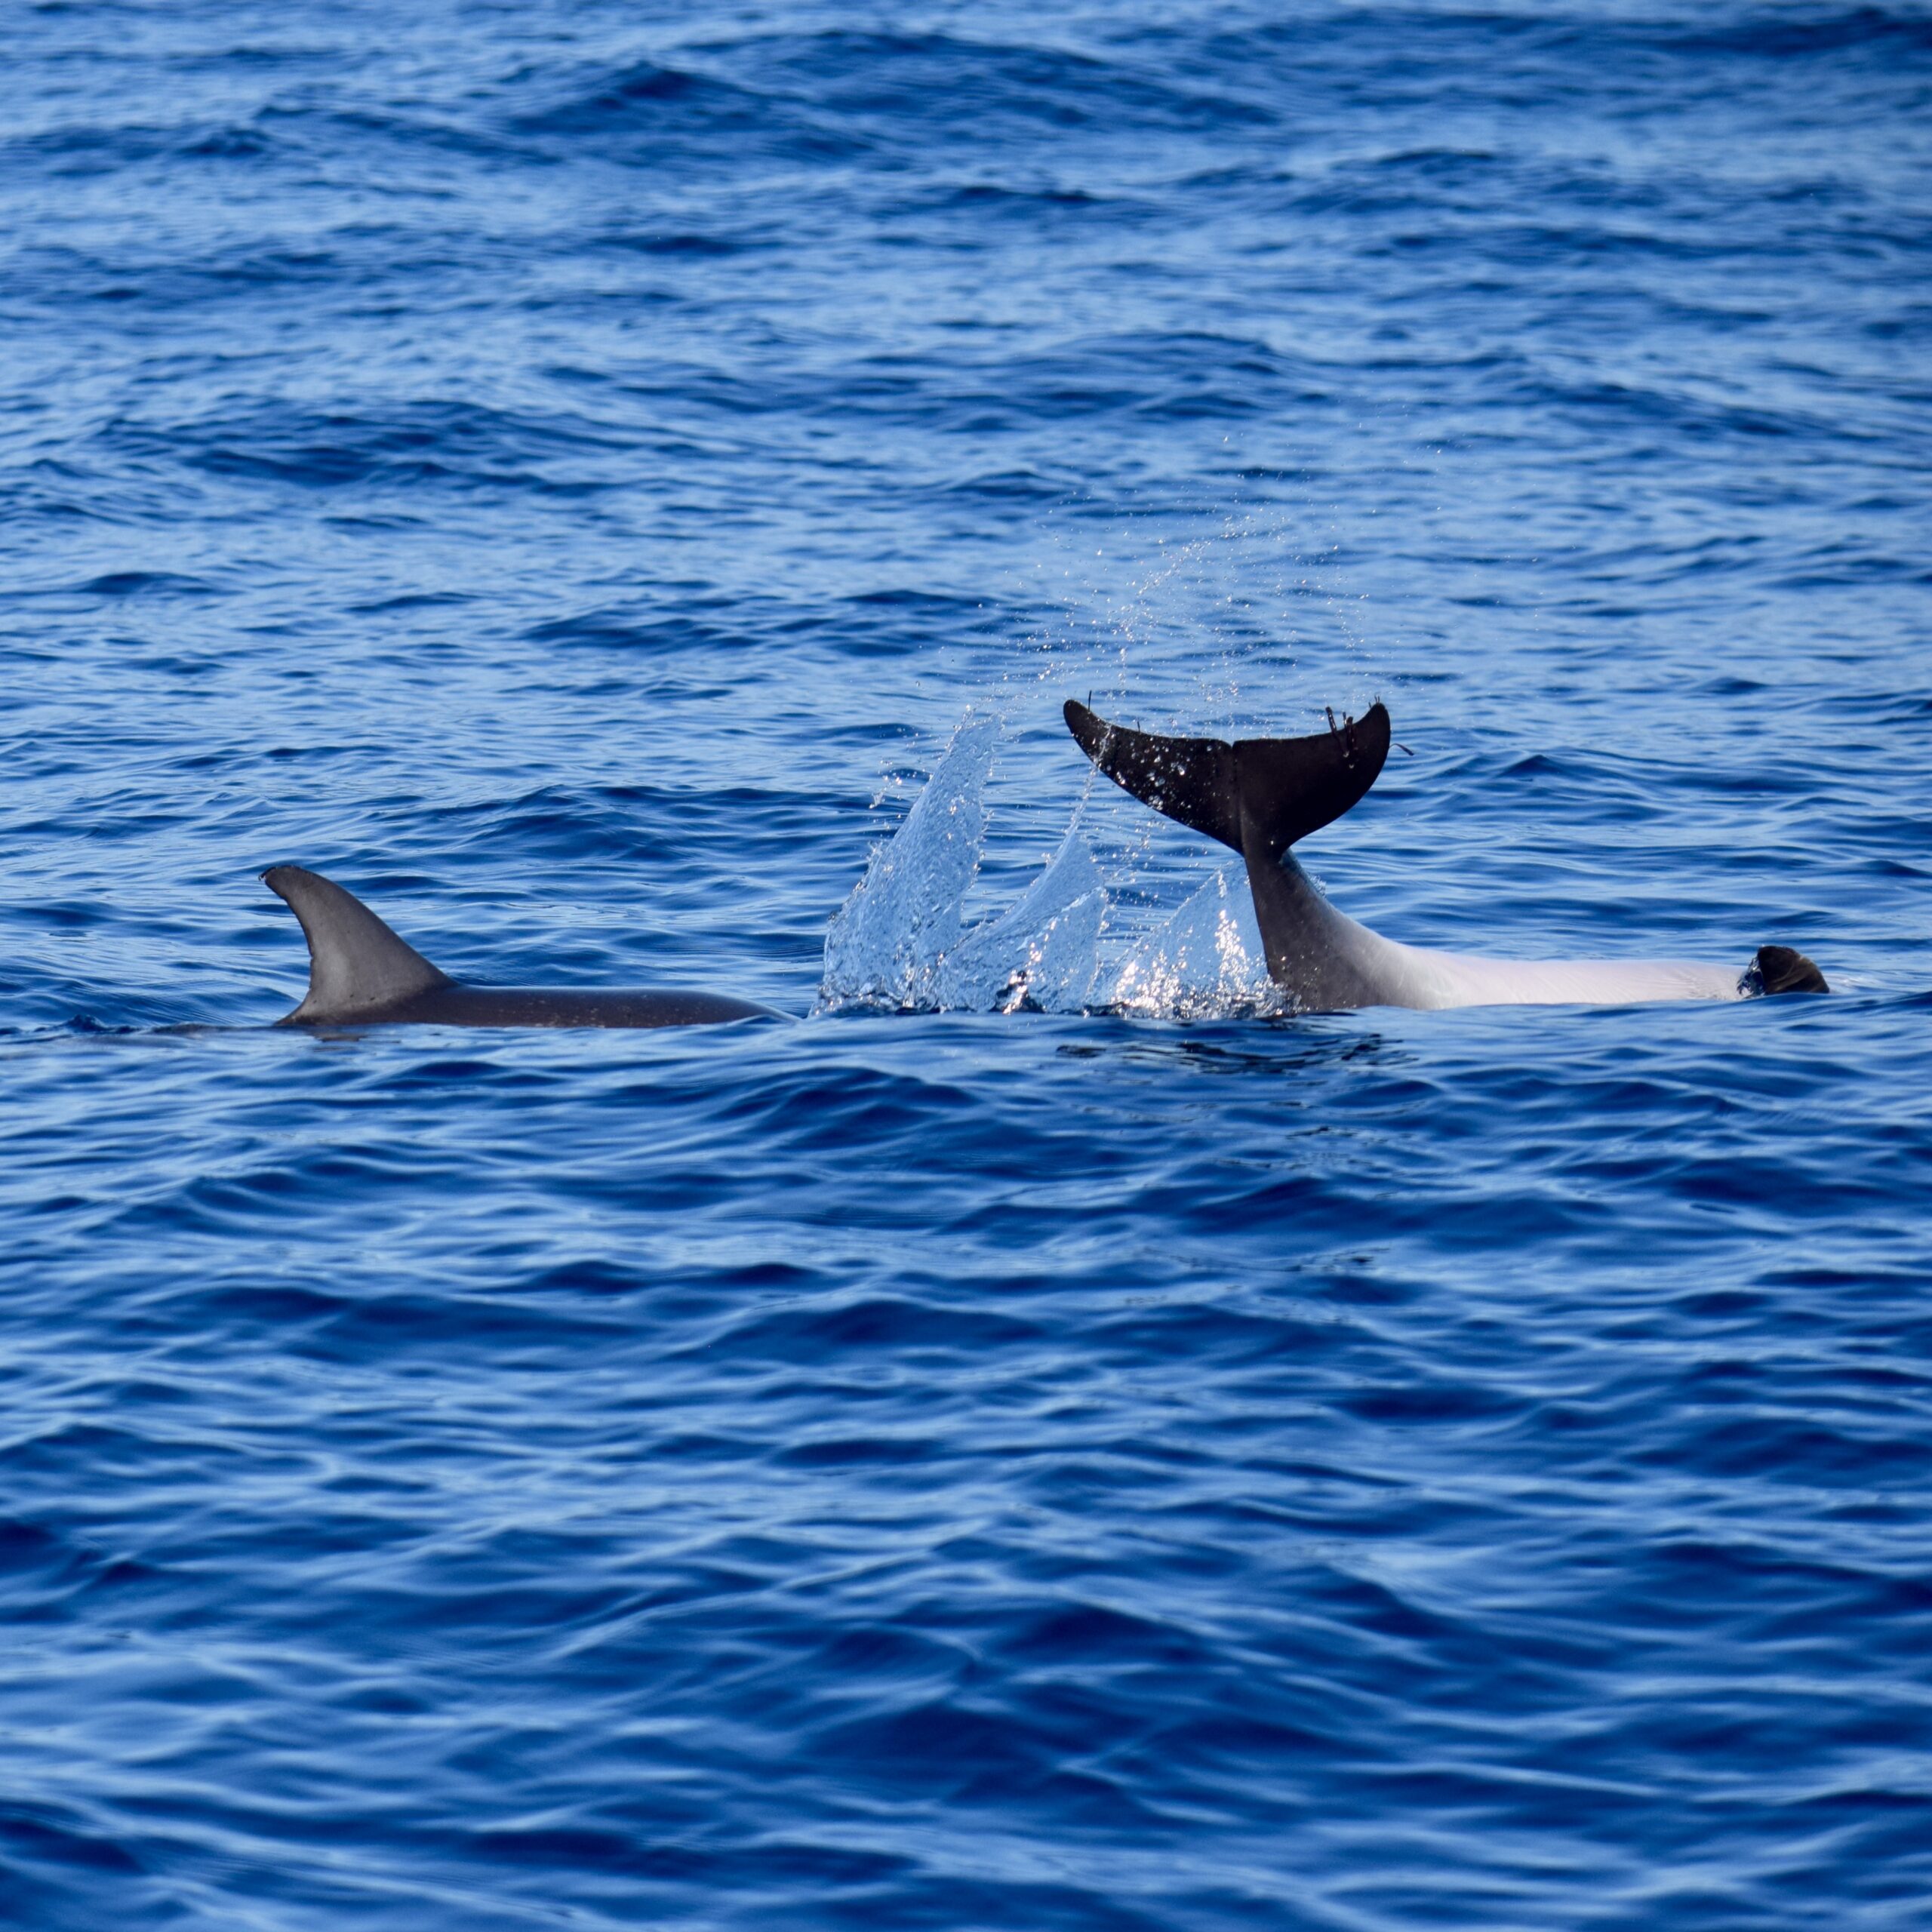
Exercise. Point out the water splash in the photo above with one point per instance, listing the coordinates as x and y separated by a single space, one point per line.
1206 962
1043 951
887 942
901 941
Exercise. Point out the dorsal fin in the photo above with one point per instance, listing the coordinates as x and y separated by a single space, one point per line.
356 965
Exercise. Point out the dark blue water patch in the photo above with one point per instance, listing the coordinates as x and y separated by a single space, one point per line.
633 632
50 1854
1804 33
145 583
420 443
647 115
233 143
944 84
979 198
699 247
137 277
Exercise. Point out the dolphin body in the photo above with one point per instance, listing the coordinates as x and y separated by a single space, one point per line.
361 974
1259 796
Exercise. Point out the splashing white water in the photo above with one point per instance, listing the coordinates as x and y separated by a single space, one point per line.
901 941
887 943
1044 951
1205 963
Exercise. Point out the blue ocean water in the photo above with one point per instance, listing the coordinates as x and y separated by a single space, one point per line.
568 471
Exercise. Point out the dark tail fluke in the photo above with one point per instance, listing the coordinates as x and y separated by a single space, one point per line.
1257 794
1192 780
1781 969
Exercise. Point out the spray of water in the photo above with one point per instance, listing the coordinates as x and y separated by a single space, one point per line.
899 942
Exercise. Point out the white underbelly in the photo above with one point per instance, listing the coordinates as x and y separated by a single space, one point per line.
1411 976
1450 979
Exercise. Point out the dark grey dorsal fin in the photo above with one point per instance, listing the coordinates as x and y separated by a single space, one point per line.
1257 794
356 965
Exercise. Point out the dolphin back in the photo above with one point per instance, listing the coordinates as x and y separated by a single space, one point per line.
1257 794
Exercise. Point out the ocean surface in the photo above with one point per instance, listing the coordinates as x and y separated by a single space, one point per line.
1042 1438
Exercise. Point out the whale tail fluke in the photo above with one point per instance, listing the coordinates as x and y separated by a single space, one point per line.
1257 794
356 965
1189 780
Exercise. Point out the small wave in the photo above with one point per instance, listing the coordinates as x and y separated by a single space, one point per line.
646 114
412 443
954 84
147 583
1804 33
